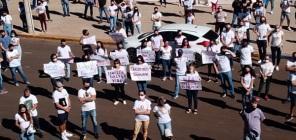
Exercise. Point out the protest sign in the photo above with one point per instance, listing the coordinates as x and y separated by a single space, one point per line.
89 41
101 60
122 56
87 69
148 55
188 53
140 72
190 82
114 76
54 70
207 57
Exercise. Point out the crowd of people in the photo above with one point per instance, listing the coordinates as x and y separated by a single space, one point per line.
235 46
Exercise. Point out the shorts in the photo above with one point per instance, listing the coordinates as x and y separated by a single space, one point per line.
293 99
63 118
285 15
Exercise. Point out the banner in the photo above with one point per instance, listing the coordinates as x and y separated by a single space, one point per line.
148 55
190 82
140 72
123 57
101 60
115 76
54 70
89 41
188 53
87 69
207 57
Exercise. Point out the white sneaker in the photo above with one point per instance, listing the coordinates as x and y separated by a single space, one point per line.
68 134
289 29
277 68
116 103
259 61
64 137
124 102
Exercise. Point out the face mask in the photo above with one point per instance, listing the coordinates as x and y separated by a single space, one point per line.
26 96
55 60
266 61
12 35
87 87
142 97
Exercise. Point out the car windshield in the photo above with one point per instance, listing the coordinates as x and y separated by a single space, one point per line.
211 35
144 35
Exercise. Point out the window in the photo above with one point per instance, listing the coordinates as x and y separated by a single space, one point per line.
190 37
168 35
144 35
211 35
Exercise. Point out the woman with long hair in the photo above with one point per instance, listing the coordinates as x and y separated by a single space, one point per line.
142 85
247 81
166 56
102 52
24 121
137 19
41 10
119 87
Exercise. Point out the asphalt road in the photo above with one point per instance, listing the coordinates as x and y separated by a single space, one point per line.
218 117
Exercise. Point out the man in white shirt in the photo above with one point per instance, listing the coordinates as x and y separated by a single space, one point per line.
227 39
266 70
7 23
112 9
291 67
63 105
66 56
286 11
246 54
87 97
157 42
181 68
188 7
15 65
156 19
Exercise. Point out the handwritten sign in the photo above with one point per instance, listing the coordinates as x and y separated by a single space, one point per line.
190 82
115 76
87 69
188 53
207 57
148 55
101 60
140 72
89 41
123 57
54 70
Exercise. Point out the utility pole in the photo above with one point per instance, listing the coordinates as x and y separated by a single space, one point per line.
29 16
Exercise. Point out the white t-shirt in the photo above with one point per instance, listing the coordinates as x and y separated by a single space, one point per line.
142 106
61 98
14 62
227 37
166 52
223 63
267 68
112 10
263 30
64 52
137 18
190 19
122 32
163 112
29 102
246 55
259 12
6 19
87 93
248 79
157 15
24 124
102 52
156 41
181 66
40 9
276 39
179 40
241 32
291 74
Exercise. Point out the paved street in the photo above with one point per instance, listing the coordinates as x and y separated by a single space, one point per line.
218 117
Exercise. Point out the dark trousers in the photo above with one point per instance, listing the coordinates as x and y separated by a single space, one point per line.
129 26
157 58
4 63
262 44
246 99
120 93
47 12
90 5
264 83
24 21
36 123
210 66
192 97
42 19
276 53
219 27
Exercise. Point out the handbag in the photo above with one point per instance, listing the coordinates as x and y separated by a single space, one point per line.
30 129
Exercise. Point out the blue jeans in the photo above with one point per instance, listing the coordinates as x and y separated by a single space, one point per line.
65 5
163 126
166 66
234 19
139 28
7 28
68 70
113 23
101 69
142 85
25 136
19 69
101 10
266 2
84 117
227 77
177 85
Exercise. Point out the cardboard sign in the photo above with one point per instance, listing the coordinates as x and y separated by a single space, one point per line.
207 57
140 72
90 41
148 55
87 69
115 76
123 58
188 53
54 70
190 82
101 60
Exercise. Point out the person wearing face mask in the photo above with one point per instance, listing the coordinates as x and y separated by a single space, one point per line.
102 53
240 34
212 48
286 11
220 17
31 103
142 85
181 62
119 87
259 13
262 30
87 97
236 5
227 39
190 19
65 54
86 48
89 78
112 10
24 121
166 56
277 37
137 19
266 71
15 40
291 68
120 49
157 42
142 108
179 39
4 43
252 117
128 21
247 81
245 17
6 19
156 19
54 60
63 106
41 10
246 54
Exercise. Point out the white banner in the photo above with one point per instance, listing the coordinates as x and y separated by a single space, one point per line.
190 82
123 58
148 55
54 70
207 57
101 60
87 69
89 41
188 53
115 76
140 72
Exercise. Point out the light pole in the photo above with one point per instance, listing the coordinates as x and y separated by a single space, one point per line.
29 16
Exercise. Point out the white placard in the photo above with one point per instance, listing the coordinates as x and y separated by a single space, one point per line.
140 72
123 58
190 82
115 76
89 40
188 53
87 69
101 60
207 57
54 70
148 55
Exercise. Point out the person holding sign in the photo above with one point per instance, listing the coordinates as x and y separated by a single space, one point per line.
102 52
266 70
58 65
65 54
86 48
247 81
121 54
166 56
142 85
89 78
192 94
212 49
119 87
180 70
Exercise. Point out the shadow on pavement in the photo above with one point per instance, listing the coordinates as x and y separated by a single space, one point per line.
194 137
55 12
171 103
110 95
168 22
218 103
272 111
118 133
159 89
272 123
4 138
102 27
10 124
291 41
166 14
40 91
145 3
73 128
48 127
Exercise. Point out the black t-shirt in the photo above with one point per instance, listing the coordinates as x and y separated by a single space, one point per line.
102 3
